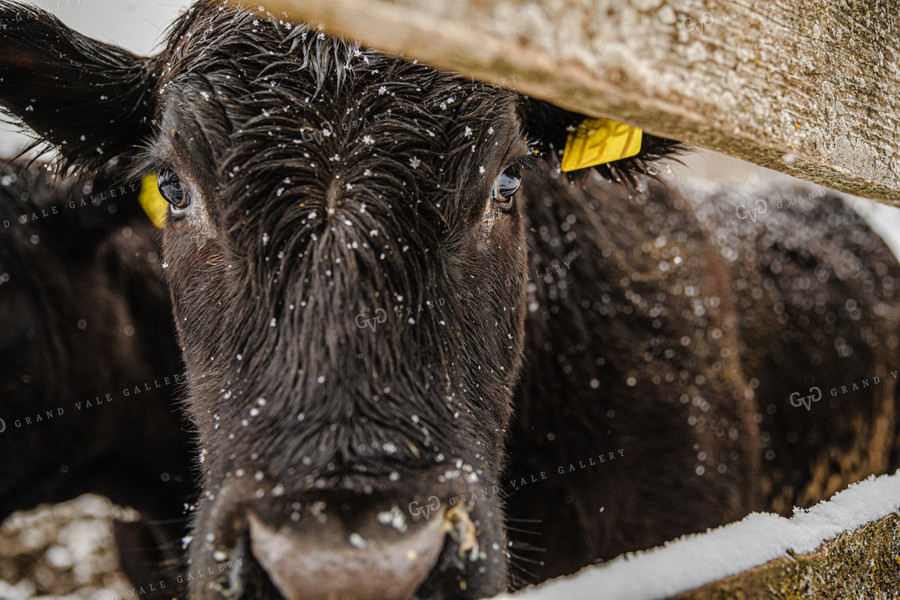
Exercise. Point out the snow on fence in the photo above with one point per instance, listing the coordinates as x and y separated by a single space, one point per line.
695 561
805 87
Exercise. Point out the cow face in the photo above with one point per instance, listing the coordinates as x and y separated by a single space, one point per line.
315 188
346 256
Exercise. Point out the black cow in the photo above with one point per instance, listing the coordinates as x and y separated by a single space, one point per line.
89 367
409 334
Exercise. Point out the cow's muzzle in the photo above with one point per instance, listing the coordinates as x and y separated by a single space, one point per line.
320 550
371 560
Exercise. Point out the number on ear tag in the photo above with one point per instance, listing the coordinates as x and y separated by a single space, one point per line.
598 141
152 201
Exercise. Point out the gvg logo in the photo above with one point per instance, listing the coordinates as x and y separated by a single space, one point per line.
2 425
380 317
434 504
760 208
815 394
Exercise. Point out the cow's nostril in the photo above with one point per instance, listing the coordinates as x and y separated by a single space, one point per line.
328 562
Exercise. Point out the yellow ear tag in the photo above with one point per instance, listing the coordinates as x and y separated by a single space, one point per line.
598 141
152 201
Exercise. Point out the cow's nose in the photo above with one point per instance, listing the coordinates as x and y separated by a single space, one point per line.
370 560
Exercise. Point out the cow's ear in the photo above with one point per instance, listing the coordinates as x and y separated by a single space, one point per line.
548 128
91 100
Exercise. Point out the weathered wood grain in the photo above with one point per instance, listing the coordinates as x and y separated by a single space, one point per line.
810 88
861 564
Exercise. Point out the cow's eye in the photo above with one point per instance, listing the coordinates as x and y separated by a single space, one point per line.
507 184
171 189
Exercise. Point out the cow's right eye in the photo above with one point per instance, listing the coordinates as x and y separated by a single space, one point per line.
171 189
507 184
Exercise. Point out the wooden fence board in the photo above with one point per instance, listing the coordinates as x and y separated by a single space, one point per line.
863 564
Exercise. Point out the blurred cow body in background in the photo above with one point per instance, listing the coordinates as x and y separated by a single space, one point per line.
89 367
817 293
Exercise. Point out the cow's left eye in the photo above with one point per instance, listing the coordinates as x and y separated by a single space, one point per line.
507 185
171 189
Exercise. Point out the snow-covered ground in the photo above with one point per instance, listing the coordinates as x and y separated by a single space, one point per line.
696 560
63 551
